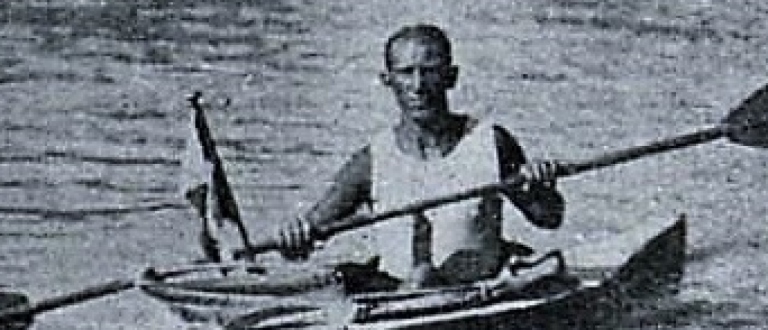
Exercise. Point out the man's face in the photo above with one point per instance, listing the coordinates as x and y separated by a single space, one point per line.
420 74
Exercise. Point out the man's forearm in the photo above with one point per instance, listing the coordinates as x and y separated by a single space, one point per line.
543 206
349 190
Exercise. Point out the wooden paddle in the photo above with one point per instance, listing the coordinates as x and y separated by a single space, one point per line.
745 125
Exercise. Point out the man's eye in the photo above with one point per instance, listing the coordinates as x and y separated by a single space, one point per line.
423 71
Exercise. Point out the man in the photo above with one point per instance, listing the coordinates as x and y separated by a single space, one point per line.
430 152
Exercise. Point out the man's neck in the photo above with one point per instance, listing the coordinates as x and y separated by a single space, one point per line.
431 139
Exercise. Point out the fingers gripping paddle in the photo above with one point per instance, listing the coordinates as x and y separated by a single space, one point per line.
745 125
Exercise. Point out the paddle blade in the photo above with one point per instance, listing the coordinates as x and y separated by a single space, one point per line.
14 311
748 124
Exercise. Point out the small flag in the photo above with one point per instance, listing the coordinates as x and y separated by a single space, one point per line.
205 185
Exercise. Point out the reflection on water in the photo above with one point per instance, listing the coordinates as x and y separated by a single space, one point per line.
94 101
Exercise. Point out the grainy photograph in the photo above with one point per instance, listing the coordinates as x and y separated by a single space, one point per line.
340 164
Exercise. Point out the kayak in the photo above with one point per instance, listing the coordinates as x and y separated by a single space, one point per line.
645 261
602 277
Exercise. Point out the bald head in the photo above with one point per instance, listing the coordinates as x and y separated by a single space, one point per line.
419 71
422 33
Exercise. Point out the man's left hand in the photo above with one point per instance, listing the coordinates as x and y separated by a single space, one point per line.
540 173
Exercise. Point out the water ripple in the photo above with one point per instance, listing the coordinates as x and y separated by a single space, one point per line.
126 114
26 76
299 148
108 160
35 235
107 185
16 183
154 33
83 214
288 123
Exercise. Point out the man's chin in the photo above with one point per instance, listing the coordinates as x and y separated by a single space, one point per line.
426 121
422 115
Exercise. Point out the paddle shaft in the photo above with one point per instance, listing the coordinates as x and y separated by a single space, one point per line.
98 291
52 303
325 231
629 154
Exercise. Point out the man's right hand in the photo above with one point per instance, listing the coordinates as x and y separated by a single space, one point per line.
295 239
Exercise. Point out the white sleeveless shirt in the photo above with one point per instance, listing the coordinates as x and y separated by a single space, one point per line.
399 179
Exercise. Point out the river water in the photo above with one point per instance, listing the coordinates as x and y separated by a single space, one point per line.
93 121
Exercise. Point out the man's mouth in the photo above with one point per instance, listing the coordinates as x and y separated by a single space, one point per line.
417 102
421 111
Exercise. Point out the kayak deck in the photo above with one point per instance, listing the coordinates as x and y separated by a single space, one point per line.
645 261
654 267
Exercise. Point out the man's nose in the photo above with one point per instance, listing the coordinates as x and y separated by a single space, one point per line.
417 81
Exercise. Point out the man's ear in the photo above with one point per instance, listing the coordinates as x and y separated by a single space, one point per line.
451 76
385 78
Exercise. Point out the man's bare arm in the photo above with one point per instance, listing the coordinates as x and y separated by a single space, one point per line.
349 190
541 203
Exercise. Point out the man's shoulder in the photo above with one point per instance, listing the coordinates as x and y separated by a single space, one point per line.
501 135
478 124
500 129
357 168
508 149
